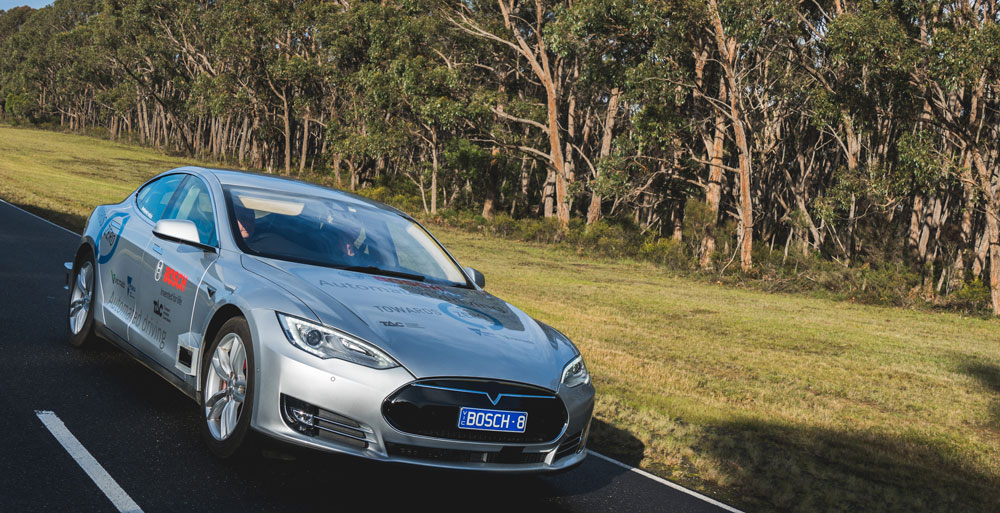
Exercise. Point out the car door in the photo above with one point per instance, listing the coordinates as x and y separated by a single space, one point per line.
172 274
122 241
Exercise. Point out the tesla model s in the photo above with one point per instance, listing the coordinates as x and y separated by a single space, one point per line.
326 320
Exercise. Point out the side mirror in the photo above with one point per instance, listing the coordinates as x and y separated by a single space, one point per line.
180 230
477 277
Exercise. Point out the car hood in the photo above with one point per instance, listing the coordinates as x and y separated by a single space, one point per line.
432 330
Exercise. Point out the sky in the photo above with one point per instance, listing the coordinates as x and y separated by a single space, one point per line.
8 4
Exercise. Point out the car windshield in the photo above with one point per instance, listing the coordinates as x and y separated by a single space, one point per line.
340 234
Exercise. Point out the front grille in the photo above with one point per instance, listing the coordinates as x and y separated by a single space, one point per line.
314 421
431 408
510 455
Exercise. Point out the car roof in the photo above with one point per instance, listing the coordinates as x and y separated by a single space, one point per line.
232 177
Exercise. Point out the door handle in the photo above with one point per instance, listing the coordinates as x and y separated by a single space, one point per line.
157 249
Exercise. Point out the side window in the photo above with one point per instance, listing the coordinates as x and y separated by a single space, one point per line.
153 198
194 203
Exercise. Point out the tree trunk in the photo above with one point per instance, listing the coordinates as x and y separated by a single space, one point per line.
286 119
713 193
305 144
434 177
727 48
594 210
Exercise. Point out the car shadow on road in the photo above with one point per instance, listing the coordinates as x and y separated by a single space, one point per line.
278 469
72 222
616 442
772 467
290 478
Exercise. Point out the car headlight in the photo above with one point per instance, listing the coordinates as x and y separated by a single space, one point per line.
327 342
575 373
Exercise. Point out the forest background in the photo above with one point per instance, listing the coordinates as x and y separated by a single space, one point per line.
849 147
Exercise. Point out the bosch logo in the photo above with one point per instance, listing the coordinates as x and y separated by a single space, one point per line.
170 276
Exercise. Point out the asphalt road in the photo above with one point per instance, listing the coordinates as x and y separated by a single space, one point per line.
145 433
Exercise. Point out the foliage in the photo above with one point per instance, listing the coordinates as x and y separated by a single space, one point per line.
864 131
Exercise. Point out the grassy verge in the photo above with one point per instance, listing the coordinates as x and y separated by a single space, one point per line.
768 401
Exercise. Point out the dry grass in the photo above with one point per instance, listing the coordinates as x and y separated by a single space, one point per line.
768 401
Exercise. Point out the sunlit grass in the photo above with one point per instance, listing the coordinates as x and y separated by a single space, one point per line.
771 402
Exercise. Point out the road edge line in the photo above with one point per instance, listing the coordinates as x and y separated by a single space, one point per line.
87 462
662 481
32 214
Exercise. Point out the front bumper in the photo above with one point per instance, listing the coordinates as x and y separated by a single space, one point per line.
336 406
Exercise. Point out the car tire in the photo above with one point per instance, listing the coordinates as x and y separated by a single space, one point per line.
226 377
80 321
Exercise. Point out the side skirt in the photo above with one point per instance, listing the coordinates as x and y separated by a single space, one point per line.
146 361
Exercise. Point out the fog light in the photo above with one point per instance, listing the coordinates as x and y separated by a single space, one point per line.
302 416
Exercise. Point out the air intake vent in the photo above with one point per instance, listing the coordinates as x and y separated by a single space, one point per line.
458 456
314 421
570 446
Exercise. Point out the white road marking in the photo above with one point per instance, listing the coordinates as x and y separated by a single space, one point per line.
101 478
660 480
63 228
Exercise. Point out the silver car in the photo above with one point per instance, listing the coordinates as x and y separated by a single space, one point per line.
325 320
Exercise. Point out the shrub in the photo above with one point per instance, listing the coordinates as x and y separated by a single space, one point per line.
888 283
616 239
667 252
504 226
547 230
974 296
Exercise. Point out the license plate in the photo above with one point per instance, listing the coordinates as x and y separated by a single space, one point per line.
492 420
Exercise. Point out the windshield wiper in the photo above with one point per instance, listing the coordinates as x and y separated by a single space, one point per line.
383 272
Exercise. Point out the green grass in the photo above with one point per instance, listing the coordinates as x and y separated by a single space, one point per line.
767 401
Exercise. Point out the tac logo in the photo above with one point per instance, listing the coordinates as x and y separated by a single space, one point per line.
161 310
170 276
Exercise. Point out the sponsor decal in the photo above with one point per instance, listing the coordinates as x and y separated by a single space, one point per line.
117 281
110 237
471 316
170 296
410 283
161 310
423 289
170 276
124 285
394 324
118 305
355 286
148 327
414 310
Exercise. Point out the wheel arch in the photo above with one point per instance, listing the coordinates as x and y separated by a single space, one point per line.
219 318
86 248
